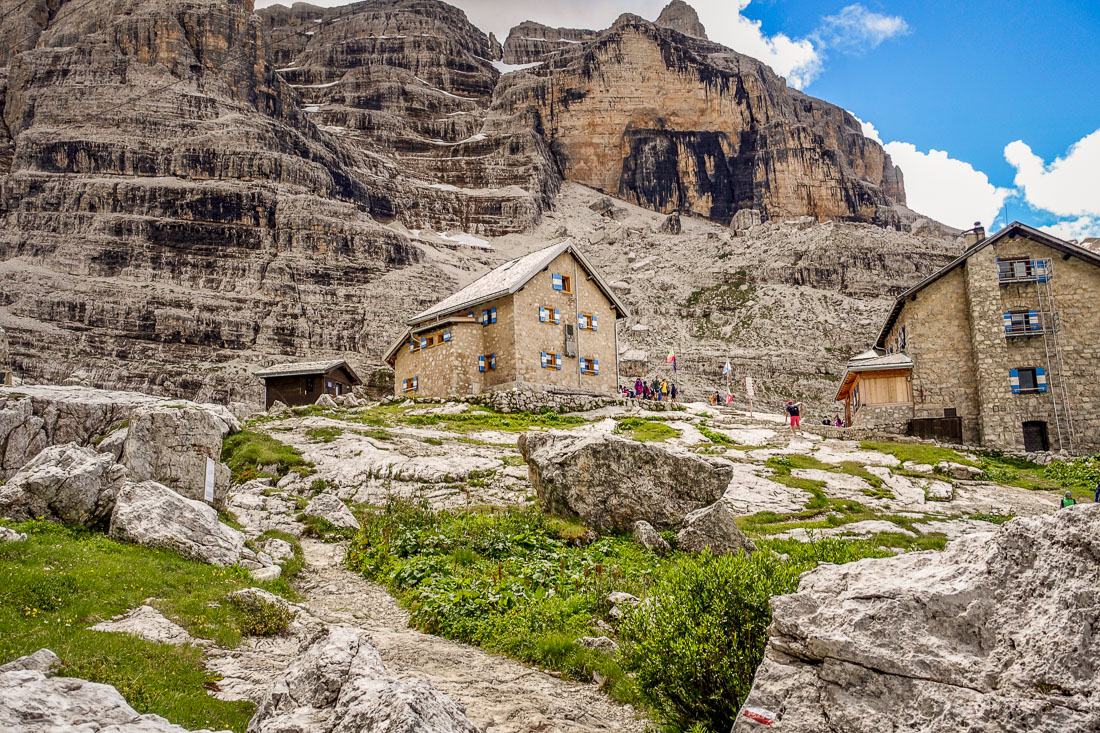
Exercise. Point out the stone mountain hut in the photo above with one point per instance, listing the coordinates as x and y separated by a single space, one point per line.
303 382
1000 348
545 321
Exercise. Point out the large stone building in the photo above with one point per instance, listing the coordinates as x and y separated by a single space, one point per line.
546 320
1000 348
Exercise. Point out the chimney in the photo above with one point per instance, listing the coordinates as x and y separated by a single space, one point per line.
974 236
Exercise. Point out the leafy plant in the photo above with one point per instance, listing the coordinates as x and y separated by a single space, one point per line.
263 618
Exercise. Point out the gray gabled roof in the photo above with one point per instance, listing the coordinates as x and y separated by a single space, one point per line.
306 368
1066 248
509 278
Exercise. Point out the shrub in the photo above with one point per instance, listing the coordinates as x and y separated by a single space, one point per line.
1083 473
263 618
696 643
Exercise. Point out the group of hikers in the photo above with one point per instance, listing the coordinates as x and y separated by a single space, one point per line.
660 390
1068 499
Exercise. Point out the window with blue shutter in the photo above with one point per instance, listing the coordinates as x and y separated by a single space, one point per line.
557 282
409 385
492 315
557 316
446 335
481 363
557 362
544 314
492 361
1041 379
1014 380
590 366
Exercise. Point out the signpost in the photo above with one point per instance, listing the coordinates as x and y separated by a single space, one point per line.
750 390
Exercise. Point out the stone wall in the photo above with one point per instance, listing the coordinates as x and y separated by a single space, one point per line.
887 418
534 400
449 368
938 338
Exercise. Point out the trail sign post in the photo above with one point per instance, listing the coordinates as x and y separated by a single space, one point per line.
750 390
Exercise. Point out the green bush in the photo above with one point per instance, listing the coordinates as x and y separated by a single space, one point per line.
247 451
263 618
1082 473
694 646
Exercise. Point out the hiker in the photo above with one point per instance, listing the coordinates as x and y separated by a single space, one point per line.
715 399
673 394
838 423
656 389
638 387
1068 500
664 388
1096 494
794 415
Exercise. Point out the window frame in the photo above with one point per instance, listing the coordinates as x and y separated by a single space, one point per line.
410 384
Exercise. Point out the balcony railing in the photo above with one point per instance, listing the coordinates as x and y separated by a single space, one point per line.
1014 272
1029 323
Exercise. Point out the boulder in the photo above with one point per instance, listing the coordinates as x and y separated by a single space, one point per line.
745 219
647 537
671 224
958 471
113 444
173 445
351 401
278 407
620 602
326 401
152 514
993 635
332 510
603 206
7 534
611 483
340 684
31 701
599 643
278 550
146 622
269 572
713 527
64 483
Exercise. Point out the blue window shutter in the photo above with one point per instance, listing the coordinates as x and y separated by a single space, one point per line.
423 343
557 316
492 315
556 280
593 321
596 366
543 359
481 363
542 314
1041 379
557 362
1008 322
582 363
580 321
1033 321
446 335
492 361
470 314
1014 380
415 383
412 347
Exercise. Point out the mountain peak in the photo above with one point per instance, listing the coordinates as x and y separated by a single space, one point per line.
679 16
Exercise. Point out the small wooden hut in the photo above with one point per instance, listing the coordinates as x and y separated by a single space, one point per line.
303 382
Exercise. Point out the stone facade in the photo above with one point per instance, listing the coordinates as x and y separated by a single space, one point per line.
954 330
516 341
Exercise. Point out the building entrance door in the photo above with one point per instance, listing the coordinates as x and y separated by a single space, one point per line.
1035 436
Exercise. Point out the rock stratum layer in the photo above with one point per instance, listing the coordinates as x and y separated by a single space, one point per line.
190 189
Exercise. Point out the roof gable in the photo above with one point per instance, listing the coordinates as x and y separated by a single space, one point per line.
508 278
307 368
1015 228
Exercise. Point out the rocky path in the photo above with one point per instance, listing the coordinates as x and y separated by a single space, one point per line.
499 694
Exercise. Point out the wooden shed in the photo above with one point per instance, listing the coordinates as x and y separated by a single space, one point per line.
303 382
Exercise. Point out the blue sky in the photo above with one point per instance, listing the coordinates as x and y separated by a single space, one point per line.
980 103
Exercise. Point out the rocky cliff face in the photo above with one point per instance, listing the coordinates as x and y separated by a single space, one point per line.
679 16
531 42
675 123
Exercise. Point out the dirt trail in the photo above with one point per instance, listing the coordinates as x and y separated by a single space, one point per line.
499 694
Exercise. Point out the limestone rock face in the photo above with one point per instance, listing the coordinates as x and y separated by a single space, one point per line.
153 515
5 359
991 633
531 43
714 528
31 701
64 483
611 483
679 16
340 684
727 133
173 444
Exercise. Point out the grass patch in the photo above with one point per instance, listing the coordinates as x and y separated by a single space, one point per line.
252 455
65 579
918 453
324 530
325 434
375 433
515 582
645 430
483 419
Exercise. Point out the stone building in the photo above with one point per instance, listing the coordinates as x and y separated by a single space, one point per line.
302 383
5 360
1000 348
546 320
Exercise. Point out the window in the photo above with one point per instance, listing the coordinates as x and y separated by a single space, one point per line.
486 361
1028 380
1022 322
586 321
550 360
546 315
489 315
590 365
561 282
410 385
1023 269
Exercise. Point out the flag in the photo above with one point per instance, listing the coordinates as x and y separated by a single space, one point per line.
729 397
726 369
671 356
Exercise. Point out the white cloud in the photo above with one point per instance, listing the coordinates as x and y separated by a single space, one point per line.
855 29
1070 186
948 190
1085 226
868 129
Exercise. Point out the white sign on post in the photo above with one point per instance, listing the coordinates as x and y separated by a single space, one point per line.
208 494
750 387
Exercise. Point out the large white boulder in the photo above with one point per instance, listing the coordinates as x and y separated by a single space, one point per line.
31 702
172 445
996 634
611 483
152 514
340 685
64 483
146 622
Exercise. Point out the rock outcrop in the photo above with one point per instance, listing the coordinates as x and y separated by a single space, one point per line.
340 684
64 483
146 622
649 538
713 528
610 483
332 510
31 701
153 515
5 360
993 634
679 16
532 43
